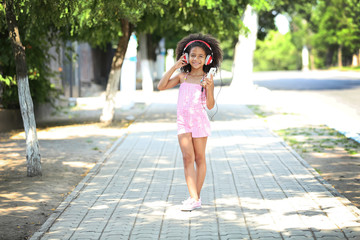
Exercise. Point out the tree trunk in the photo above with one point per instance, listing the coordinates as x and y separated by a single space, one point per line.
26 104
312 60
114 76
340 56
244 52
146 73
355 61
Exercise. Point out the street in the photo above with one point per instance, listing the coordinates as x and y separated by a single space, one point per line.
331 96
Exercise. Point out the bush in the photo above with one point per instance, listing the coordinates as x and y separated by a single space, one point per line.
276 52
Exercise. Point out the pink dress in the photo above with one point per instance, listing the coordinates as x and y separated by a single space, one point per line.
191 113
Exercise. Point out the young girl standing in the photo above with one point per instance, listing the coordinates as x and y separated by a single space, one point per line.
195 55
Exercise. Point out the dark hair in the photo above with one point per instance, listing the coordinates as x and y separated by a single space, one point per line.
217 53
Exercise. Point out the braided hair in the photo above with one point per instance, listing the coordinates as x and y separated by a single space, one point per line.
216 51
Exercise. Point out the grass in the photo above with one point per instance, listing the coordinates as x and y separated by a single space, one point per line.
313 138
346 68
257 110
318 139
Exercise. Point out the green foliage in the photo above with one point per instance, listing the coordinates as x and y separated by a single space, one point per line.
323 26
39 30
268 13
336 23
220 18
99 22
276 52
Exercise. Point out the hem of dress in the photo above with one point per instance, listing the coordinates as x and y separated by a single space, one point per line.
193 136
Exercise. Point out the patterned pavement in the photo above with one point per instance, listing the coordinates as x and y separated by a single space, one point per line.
256 187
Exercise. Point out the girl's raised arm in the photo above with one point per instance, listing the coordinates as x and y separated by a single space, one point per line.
209 85
166 82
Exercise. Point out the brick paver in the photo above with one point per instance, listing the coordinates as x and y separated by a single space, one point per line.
256 188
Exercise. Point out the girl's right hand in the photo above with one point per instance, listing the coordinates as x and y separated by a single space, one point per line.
181 62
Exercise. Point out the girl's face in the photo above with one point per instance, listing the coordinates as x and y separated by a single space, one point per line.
197 57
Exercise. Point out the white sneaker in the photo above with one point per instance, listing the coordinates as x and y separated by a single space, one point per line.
190 204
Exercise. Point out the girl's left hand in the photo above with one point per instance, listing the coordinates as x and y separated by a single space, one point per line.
208 82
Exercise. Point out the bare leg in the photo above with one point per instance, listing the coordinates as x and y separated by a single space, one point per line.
187 149
200 160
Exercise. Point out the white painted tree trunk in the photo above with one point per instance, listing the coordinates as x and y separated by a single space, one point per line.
160 59
111 90
147 78
355 61
33 157
170 59
305 58
128 75
244 52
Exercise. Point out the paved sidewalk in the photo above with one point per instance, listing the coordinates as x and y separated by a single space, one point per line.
256 188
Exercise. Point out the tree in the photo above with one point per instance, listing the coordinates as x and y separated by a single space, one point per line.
32 31
182 18
302 28
102 21
26 105
337 27
98 23
114 77
276 52
38 31
220 18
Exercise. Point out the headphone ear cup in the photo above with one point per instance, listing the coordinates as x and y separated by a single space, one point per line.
208 60
187 58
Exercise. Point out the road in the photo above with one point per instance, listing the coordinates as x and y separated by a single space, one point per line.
333 96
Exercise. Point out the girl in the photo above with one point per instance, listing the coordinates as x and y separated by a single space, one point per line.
195 55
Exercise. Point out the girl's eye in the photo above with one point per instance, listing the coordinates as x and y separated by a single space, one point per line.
200 56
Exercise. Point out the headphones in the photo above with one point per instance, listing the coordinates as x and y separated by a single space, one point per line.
209 58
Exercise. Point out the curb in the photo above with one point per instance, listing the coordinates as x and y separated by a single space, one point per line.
84 182
346 202
75 193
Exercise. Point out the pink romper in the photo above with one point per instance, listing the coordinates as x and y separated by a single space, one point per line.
191 113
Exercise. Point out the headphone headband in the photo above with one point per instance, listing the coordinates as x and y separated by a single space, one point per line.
197 41
208 59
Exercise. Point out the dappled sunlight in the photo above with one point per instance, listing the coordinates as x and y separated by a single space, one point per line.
287 213
19 209
229 215
79 164
72 131
100 207
19 203
173 212
19 197
10 147
12 156
67 154
254 187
